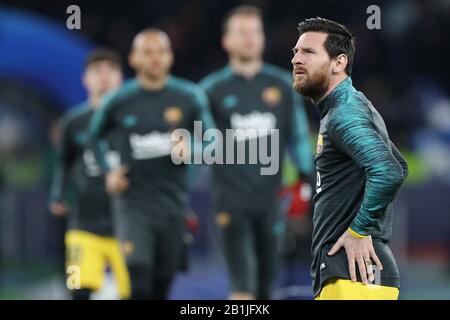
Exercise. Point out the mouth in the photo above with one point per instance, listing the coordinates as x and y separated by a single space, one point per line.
299 72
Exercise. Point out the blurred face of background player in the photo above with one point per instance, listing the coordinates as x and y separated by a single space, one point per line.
151 56
100 77
243 38
314 71
244 41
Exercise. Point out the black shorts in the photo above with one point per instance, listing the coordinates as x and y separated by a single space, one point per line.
336 266
149 241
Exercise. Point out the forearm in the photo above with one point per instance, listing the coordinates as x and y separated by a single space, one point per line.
100 150
381 189
97 131
56 192
353 131
64 161
384 176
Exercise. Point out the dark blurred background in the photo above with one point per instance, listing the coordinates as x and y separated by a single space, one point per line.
402 68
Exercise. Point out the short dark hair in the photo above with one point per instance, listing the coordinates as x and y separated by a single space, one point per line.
147 31
339 40
245 10
103 54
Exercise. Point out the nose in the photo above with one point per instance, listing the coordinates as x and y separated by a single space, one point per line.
296 59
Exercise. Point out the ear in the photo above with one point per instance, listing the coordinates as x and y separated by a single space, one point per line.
171 59
132 59
225 42
84 79
340 63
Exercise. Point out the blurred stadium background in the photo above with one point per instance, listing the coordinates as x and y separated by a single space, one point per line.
403 68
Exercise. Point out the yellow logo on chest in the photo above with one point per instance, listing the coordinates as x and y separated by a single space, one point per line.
319 148
173 115
271 96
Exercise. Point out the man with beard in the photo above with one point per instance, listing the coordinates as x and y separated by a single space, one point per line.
249 94
359 171
149 190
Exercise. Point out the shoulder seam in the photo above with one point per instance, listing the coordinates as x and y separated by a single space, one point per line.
211 80
278 73
75 112
190 88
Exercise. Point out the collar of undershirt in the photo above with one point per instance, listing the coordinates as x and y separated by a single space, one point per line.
242 77
154 92
333 97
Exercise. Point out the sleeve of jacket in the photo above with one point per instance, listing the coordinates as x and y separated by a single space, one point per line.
352 129
98 127
66 155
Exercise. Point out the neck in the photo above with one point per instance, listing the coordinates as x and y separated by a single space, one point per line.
247 69
334 82
94 100
152 83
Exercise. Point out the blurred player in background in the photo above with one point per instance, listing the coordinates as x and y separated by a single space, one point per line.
150 191
359 171
90 244
249 94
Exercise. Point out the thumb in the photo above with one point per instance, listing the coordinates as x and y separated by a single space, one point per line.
335 248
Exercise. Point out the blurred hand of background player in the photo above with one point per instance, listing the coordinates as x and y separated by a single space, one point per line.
117 181
192 223
361 251
299 198
59 209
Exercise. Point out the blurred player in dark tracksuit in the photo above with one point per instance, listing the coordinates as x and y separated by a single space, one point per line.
359 171
90 244
150 190
249 94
